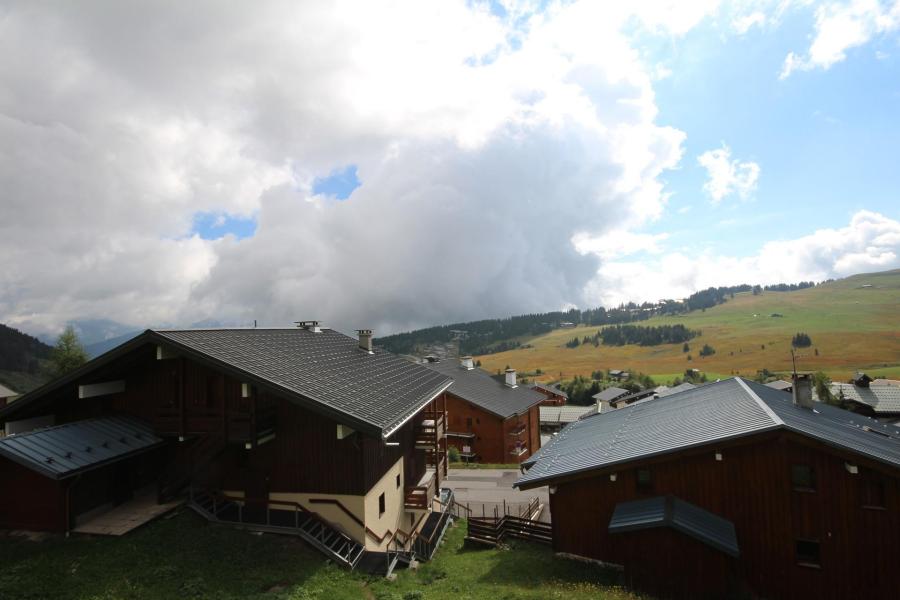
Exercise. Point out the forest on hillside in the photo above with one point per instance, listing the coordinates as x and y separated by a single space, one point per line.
20 351
496 335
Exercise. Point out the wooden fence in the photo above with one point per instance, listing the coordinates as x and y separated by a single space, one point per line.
493 531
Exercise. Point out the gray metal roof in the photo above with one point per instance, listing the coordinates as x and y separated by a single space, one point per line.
780 385
483 390
563 414
610 394
66 450
329 368
5 392
714 412
882 398
681 387
554 389
668 511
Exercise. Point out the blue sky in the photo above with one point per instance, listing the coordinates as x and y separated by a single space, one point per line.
826 141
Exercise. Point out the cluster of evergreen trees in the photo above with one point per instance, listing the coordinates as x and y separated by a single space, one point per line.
621 335
20 351
801 340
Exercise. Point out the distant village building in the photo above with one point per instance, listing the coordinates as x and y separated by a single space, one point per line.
733 489
490 419
554 418
879 401
554 395
781 385
605 398
566 325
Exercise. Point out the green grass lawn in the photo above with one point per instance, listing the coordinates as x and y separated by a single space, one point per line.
185 557
476 466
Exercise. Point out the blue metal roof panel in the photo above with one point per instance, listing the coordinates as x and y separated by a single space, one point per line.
65 450
668 511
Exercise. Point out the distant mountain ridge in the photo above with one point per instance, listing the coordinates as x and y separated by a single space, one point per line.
22 359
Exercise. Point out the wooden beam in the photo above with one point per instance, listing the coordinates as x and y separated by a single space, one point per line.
101 389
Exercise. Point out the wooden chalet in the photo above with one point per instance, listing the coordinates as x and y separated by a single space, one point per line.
299 430
490 419
553 395
733 489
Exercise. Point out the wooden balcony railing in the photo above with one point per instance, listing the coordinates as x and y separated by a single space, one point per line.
419 496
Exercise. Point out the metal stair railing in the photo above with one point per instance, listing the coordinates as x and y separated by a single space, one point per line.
315 530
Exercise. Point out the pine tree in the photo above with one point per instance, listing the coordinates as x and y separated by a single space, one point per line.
68 354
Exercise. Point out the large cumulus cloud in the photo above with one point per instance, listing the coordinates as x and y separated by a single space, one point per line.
483 144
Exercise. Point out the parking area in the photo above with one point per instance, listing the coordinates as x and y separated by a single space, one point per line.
481 490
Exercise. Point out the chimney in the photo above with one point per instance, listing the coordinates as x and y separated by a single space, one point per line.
365 339
803 391
602 406
312 326
467 363
511 378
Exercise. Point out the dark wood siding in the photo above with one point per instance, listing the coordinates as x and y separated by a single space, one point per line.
752 487
495 438
29 500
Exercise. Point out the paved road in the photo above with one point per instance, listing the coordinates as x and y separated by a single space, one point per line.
483 489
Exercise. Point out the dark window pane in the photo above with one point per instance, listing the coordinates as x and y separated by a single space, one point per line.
644 479
808 552
803 477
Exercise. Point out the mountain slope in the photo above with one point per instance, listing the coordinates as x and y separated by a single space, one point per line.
22 359
854 323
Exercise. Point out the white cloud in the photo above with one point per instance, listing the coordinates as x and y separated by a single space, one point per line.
482 144
840 27
869 243
726 176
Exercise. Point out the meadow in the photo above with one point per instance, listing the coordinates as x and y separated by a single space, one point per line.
854 324
185 557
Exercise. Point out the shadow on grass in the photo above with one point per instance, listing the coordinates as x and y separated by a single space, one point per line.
182 556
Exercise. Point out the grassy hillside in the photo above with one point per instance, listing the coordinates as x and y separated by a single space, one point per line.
853 327
186 557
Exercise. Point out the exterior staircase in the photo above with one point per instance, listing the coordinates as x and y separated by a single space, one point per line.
284 518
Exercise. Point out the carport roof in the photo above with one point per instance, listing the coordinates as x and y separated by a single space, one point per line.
66 450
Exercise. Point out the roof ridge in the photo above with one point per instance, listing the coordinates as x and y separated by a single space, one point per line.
760 402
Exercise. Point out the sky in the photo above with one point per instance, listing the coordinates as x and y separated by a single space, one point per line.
398 165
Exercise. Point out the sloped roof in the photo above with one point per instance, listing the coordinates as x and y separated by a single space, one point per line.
610 394
669 511
718 411
5 392
681 387
563 414
66 450
325 371
882 398
483 390
780 384
553 389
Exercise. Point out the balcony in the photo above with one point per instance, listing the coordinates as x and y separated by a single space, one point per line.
518 429
429 430
418 497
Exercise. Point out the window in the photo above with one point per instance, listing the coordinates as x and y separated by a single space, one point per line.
803 478
872 493
644 480
469 422
808 553
398 480
380 505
